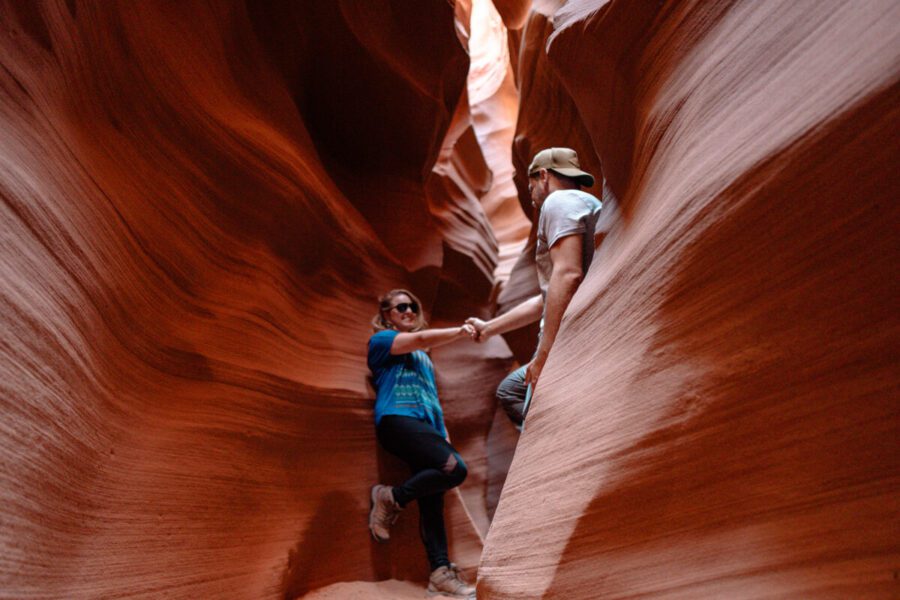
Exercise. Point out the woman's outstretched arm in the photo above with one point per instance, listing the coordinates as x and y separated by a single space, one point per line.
429 338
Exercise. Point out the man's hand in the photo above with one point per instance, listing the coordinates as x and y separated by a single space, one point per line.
478 326
533 371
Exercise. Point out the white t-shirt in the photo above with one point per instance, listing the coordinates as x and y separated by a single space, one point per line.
565 212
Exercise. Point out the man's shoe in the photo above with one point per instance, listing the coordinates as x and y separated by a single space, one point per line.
384 512
447 581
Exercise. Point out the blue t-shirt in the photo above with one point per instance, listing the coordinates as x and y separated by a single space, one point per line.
404 382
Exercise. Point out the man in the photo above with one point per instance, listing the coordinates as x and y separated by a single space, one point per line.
565 248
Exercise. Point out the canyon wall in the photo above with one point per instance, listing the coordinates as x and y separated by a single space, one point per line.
718 417
201 203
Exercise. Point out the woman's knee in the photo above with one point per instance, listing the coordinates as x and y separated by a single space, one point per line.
455 469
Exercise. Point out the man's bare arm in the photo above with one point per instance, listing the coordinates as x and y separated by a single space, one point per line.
523 314
564 280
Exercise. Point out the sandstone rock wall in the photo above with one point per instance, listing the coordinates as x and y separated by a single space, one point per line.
719 418
201 202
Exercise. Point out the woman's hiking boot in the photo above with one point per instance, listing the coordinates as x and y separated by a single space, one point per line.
384 512
447 581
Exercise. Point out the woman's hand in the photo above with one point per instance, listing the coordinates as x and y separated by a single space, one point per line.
469 330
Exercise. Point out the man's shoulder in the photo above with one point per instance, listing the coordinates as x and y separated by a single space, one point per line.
567 199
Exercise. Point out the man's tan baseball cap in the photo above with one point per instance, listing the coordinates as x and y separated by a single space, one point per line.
563 161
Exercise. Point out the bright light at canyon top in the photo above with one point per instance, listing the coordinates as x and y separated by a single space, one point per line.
494 102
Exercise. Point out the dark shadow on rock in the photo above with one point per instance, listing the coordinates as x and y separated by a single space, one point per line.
501 447
314 565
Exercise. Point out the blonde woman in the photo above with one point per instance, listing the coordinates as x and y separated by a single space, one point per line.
409 423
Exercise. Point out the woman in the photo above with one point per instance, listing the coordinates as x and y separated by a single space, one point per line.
409 423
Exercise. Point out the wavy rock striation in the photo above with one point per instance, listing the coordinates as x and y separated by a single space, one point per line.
718 418
201 202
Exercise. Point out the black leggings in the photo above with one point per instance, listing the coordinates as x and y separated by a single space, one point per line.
436 467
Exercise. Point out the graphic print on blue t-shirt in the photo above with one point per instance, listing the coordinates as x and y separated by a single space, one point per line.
404 382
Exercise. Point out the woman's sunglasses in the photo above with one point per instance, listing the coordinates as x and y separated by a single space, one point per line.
405 306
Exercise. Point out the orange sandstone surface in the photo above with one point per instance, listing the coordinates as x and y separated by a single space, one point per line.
202 200
201 203
719 415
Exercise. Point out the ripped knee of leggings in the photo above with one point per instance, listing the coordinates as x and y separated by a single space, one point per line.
455 468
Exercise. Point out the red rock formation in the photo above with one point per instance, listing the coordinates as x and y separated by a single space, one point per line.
201 202
514 12
718 418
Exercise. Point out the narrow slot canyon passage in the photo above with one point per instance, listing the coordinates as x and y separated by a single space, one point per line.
203 202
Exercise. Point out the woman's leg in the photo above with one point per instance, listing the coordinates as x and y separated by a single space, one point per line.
432 531
436 465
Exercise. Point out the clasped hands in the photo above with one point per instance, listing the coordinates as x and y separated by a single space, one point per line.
477 330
